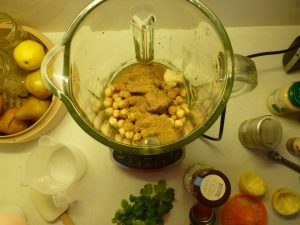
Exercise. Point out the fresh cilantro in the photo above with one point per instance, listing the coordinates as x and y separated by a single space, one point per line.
147 209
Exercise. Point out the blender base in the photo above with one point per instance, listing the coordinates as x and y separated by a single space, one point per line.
147 163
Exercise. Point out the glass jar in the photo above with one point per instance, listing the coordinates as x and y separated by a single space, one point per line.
201 214
11 32
285 99
5 65
208 185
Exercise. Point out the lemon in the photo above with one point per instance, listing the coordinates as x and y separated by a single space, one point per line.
36 86
252 184
286 202
29 55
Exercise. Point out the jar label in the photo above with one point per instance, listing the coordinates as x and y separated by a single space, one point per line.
212 187
277 104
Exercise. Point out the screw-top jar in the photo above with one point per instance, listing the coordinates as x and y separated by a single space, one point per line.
264 133
11 32
285 100
208 185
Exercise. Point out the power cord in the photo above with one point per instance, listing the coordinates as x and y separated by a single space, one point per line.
273 52
222 121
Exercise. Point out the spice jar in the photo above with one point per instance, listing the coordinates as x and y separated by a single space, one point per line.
208 185
263 133
293 146
11 32
285 99
201 214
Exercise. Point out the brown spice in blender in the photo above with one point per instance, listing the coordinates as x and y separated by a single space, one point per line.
140 104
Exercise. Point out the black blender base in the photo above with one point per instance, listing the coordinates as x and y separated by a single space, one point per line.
144 163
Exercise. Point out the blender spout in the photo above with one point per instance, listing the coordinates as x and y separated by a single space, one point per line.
143 30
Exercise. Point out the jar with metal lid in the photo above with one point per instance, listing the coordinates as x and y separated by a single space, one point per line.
285 99
11 32
263 133
208 185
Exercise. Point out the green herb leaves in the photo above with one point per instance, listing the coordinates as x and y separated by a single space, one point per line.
148 208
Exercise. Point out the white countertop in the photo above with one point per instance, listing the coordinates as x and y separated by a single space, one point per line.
100 191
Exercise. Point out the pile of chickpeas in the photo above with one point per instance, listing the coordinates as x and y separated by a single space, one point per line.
118 104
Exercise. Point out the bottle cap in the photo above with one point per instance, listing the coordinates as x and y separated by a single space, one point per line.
294 94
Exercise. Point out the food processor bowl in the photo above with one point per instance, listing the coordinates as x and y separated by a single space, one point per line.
109 36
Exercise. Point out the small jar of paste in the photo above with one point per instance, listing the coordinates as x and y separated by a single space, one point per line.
208 185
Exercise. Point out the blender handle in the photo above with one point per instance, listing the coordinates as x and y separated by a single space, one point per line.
53 71
245 75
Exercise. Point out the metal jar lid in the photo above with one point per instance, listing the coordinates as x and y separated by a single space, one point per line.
261 133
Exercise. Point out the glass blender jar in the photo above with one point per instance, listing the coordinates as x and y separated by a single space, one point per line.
181 37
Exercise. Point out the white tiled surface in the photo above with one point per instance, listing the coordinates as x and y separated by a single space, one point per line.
100 191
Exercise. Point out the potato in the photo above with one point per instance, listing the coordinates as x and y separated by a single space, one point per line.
9 124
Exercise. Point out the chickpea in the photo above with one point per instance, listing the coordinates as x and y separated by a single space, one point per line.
109 111
109 91
116 113
172 110
183 120
137 137
115 95
144 133
118 137
113 121
118 99
171 94
115 105
185 107
122 131
174 117
129 134
122 104
128 126
131 116
178 123
126 141
183 92
108 102
171 121
124 113
176 90
179 100
125 94
120 123
180 113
